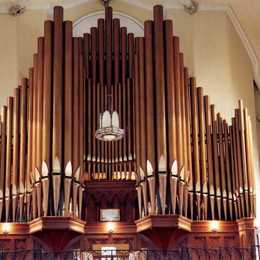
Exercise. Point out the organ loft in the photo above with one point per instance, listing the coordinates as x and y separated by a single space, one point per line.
110 144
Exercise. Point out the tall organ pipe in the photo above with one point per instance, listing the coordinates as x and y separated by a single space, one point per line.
16 152
23 146
68 114
3 158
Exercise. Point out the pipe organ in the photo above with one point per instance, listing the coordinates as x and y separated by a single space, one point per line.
184 157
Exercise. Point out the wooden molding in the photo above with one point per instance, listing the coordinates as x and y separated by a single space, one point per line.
173 222
245 224
57 223
166 221
224 227
102 228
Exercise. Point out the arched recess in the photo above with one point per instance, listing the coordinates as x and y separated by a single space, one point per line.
83 24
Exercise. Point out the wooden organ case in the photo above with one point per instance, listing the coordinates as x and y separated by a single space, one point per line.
179 167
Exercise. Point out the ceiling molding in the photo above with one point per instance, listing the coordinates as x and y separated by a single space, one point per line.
176 4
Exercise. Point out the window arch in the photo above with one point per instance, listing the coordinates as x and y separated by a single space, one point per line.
83 24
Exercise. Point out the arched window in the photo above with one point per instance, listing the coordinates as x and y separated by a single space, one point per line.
83 24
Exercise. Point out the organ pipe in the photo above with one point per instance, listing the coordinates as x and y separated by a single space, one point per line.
23 146
68 114
8 157
16 152
3 157
30 144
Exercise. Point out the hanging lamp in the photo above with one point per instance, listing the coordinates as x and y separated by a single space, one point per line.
109 129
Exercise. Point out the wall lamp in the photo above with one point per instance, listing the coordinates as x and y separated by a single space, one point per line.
6 228
213 226
110 227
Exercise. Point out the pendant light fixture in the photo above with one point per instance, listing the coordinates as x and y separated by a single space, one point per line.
109 129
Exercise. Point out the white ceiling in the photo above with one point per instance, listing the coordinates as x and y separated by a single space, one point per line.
244 14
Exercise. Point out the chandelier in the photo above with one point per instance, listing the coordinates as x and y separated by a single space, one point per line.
109 129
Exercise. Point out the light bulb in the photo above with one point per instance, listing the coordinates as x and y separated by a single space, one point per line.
6 227
214 225
110 227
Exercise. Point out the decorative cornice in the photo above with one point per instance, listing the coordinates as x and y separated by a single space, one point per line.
169 5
